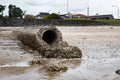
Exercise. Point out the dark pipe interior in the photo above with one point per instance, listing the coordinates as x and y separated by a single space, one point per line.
49 36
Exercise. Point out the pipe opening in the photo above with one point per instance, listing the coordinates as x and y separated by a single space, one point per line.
49 36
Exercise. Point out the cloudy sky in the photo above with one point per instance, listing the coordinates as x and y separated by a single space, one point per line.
55 6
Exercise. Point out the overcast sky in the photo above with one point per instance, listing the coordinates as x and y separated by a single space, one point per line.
55 6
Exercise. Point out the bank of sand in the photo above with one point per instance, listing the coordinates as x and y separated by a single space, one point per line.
101 55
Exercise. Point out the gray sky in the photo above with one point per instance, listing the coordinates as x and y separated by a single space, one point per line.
75 6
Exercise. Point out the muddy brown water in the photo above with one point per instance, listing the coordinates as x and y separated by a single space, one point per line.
100 47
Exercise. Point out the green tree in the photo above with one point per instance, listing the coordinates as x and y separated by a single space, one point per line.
2 8
15 12
53 16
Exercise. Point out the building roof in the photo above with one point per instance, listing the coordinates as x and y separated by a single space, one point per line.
80 15
41 14
107 16
64 15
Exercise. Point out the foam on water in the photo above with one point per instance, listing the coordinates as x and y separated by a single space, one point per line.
18 64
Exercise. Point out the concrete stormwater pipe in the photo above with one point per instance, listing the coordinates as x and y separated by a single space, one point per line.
49 36
48 42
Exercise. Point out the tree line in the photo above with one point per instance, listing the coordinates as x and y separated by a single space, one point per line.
17 12
13 11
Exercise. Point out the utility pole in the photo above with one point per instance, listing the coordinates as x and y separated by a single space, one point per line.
67 6
88 11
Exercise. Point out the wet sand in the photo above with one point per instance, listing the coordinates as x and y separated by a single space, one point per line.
100 47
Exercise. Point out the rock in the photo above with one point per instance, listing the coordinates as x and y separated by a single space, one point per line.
37 60
34 62
55 67
71 52
118 72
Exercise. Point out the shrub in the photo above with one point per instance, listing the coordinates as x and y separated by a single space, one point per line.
29 16
110 21
52 16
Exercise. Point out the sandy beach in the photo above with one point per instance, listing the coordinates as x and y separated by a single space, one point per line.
100 46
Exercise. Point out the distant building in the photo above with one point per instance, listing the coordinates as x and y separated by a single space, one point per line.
80 16
109 16
64 16
41 15
69 15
